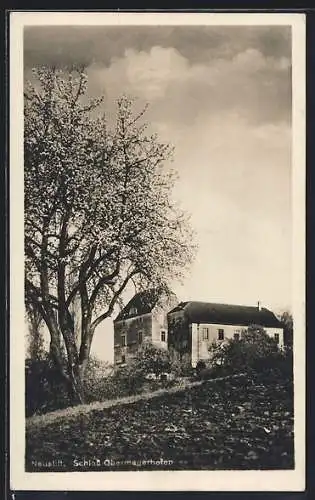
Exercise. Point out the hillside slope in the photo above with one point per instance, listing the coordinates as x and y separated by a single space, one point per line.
229 424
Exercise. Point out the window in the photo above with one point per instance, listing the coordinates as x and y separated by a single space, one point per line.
123 340
237 334
163 336
205 334
277 337
123 358
133 311
140 337
220 334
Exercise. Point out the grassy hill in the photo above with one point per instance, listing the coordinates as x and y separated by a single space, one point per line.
227 424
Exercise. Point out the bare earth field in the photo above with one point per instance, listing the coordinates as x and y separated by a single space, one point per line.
217 425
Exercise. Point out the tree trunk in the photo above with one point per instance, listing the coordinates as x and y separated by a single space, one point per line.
76 386
77 364
73 367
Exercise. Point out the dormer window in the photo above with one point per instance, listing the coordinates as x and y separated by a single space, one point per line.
133 311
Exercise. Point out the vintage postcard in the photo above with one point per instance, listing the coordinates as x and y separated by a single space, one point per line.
157 242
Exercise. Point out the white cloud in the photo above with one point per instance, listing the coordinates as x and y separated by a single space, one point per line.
150 73
232 145
252 60
146 74
250 83
235 179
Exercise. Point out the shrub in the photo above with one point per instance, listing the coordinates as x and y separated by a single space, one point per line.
45 389
151 359
255 352
182 368
98 384
129 380
200 367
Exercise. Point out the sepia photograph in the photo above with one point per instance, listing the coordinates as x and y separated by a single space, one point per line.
157 279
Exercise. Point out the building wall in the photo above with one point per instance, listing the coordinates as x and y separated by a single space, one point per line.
200 344
151 325
131 328
159 325
271 332
179 337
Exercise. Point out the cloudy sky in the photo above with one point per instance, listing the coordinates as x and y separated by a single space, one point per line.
222 96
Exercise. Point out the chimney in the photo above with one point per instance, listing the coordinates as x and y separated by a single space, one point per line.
259 306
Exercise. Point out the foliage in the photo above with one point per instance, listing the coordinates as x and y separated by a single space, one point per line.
200 367
287 322
98 369
98 211
45 388
131 378
227 424
98 384
152 359
254 351
182 368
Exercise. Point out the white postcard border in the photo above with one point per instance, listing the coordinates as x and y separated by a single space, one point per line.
156 480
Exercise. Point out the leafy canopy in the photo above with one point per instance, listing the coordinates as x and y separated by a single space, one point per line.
98 209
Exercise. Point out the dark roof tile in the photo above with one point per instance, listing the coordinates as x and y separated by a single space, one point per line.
142 303
226 314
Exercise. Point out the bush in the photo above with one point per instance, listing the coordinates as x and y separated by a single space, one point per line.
98 384
45 389
200 367
121 381
182 368
255 352
130 379
151 359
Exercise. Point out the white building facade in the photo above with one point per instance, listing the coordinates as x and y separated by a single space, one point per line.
194 326
205 334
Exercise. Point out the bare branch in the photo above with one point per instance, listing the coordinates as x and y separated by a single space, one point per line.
113 301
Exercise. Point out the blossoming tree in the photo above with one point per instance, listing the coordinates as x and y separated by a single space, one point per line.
98 212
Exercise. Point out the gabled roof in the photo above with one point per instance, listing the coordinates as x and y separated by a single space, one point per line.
226 314
142 303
